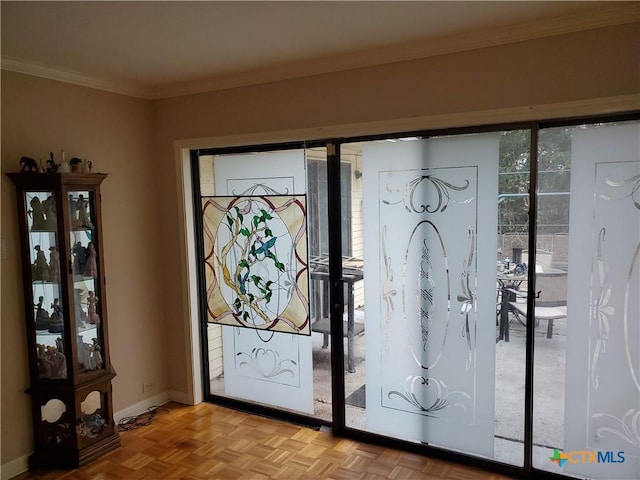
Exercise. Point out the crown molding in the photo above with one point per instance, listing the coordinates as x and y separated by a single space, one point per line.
18 66
618 14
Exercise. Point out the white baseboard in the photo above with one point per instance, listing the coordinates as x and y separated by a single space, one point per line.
15 467
143 406
181 397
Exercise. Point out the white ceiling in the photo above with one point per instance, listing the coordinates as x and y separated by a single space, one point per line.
156 49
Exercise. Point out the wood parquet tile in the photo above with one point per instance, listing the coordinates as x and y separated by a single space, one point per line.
209 442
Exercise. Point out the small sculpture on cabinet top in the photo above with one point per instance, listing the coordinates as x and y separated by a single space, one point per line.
92 313
28 165
76 165
64 166
52 166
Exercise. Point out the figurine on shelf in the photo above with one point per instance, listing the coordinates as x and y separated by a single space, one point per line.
43 321
51 362
91 425
44 363
56 322
82 354
56 327
85 355
40 268
97 356
60 345
79 258
49 206
73 211
92 313
91 265
37 214
86 166
83 213
81 316
56 314
58 363
54 264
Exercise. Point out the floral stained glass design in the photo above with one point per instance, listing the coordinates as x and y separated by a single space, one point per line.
256 262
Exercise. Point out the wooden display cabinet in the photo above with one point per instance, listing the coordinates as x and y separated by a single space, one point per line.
65 317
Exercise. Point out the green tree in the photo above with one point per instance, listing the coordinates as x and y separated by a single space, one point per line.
513 181
554 176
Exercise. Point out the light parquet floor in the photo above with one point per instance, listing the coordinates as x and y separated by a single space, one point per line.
211 442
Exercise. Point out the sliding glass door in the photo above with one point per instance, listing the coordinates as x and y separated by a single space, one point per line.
488 290
594 341
430 218
256 268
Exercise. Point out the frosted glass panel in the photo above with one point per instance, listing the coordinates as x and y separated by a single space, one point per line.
266 366
602 412
430 223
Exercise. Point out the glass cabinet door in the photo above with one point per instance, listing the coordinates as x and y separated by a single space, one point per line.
48 313
86 285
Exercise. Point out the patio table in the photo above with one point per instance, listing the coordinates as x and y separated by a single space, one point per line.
351 274
506 283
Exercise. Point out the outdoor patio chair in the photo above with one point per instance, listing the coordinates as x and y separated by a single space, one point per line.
550 302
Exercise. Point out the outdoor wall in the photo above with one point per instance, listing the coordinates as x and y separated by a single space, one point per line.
577 67
115 133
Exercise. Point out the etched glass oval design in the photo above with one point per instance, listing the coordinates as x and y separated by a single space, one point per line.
426 294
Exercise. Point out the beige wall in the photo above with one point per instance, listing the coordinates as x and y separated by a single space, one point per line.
142 213
115 133
590 64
